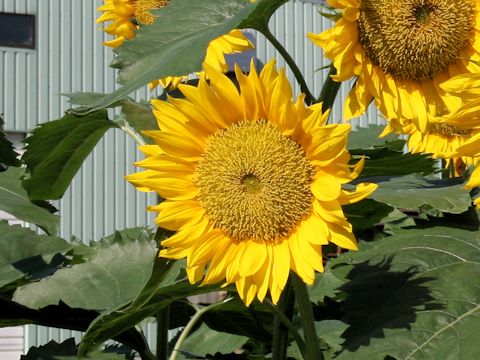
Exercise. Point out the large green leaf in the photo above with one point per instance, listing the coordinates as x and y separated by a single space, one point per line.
364 214
63 317
20 251
207 341
389 159
234 317
413 192
167 284
413 296
17 243
15 201
113 277
56 150
367 137
176 43
67 350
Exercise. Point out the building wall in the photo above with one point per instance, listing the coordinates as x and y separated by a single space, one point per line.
68 58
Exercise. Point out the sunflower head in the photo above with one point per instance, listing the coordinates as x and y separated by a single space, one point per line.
252 181
400 51
414 40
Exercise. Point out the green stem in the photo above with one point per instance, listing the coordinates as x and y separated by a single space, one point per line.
283 312
163 318
283 325
312 347
188 328
146 355
130 132
329 90
309 98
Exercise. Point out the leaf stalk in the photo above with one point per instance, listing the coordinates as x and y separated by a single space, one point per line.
309 98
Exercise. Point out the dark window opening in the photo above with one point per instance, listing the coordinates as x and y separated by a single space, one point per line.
17 30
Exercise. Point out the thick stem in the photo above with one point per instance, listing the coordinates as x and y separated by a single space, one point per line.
283 325
163 318
188 328
146 355
329 90
312 347
309 98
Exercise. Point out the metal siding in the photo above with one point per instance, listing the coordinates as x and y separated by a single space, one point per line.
69 57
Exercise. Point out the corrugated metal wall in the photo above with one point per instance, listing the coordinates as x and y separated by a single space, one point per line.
69 57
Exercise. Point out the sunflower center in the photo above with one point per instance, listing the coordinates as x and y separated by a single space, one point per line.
447 130
422 13
143 7
415 39
254 182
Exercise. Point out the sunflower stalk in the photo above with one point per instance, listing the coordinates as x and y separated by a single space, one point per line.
309 98
163 318
329 90
283 325
312 348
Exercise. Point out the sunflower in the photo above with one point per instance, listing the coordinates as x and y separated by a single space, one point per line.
126 16
400 51
441 139
252 181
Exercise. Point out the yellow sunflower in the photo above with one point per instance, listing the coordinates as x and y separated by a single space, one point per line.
126 16
441 139
400 51
252 181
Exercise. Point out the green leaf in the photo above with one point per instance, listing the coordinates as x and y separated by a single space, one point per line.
207 341
14 200
366 213
63 317
414 192
414 296
20 253
234 317
56 150
113 277
259 18
8 156
67 350
395 163
167 284
368 137
176 43
83 98
18 243
389 159
139 116
328 283
330 331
